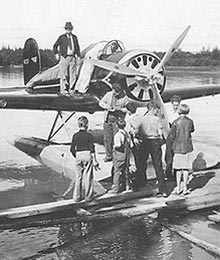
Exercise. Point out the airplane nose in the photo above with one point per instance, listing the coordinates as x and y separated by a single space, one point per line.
29 145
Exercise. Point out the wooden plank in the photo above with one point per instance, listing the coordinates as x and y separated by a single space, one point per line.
215 217
39 209
200 243
194 202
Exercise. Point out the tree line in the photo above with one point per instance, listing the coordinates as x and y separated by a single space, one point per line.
12 57
205 57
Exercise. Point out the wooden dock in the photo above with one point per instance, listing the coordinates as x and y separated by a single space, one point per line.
205 193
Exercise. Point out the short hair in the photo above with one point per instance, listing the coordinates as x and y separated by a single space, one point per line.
175 98
131 107
121 123
152 105
83 121
183 109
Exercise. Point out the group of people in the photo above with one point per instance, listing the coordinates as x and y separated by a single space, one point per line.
129 139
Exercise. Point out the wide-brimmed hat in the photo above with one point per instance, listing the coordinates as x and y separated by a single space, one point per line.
68 25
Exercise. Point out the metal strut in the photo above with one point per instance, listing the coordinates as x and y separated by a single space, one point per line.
53 132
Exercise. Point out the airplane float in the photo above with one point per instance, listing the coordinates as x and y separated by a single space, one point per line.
141 74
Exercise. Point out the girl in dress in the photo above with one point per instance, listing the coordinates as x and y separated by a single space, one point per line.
181 131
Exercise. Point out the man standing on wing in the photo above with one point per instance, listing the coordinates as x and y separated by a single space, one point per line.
67 51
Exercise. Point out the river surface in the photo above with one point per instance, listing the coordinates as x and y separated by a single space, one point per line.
23 181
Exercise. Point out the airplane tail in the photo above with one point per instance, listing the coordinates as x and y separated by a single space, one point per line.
31 59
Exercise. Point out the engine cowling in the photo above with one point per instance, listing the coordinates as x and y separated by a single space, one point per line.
137 88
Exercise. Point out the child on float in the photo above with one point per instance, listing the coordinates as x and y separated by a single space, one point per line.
121 158
181 130
82 148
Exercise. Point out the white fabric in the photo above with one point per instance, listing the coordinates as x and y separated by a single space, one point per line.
119 138
182 161
87 67
69 51
172 115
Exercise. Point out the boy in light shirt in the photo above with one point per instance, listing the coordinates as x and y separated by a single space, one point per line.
121 158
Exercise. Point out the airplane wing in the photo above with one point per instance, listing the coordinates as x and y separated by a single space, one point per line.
141 71
20 99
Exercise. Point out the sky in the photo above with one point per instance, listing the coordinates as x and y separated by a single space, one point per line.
143 24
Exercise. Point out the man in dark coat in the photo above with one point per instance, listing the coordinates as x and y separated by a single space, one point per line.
67 51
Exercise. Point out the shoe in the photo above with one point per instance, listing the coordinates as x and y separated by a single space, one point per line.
165 195
186 192
107 159
64 93
176 191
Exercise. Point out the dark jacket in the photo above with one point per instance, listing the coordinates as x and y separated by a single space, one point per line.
180 135
62 43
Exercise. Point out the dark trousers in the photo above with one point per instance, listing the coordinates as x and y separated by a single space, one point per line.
152 147
120 170
169 154
141 165
110 129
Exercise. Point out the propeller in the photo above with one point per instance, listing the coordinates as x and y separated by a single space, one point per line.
118 68
171 50
143 78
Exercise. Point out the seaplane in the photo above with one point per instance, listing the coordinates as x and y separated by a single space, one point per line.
140 73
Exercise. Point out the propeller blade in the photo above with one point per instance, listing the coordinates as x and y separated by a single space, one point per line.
172 49
118 68
163 114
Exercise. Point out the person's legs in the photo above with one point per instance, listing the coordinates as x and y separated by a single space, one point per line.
108 140
77 192
141 160
63 74
85 74
185 180
118 168
72 71
156 155
88 176
178 180
169 160
109 131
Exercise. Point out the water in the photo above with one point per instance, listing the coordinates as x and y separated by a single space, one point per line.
23 181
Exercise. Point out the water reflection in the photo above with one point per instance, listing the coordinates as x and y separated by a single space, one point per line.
29 185
127 239
11 76
191 77
130 239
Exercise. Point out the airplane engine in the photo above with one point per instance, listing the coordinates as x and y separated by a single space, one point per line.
138 88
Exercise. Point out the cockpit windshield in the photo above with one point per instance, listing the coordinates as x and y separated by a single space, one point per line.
113 47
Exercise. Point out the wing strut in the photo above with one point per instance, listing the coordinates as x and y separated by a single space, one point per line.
53 132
